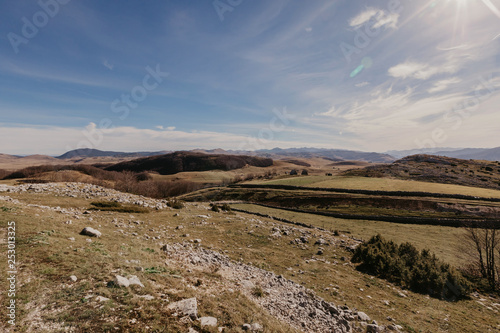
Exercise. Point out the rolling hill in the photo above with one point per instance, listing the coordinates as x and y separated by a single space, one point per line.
437 169
189 161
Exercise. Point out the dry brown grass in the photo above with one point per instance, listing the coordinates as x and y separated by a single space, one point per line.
49 258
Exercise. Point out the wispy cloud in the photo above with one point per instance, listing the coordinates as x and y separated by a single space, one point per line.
443 84
376 18
108 65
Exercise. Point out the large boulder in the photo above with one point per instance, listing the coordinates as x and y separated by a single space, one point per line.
88 231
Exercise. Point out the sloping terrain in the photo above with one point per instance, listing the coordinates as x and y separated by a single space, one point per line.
437 169
178 270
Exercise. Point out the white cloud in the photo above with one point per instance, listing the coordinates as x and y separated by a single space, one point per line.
420 71
308 29
443 84
30 139
376 17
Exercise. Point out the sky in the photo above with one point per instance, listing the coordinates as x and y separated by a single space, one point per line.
246 75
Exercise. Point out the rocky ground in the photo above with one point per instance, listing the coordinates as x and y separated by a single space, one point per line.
206 272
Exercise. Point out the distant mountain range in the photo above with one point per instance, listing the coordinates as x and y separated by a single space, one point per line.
332 154
276 153
488 154
92 156
87 152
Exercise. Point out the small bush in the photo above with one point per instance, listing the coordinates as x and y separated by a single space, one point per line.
257 291
404 265
4 173
176 204
143 176
105 204
117 207
224 207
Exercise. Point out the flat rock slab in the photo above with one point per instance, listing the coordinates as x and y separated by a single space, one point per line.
208 321
187 307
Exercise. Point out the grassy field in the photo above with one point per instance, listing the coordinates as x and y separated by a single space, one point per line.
380 184
443 241
48 257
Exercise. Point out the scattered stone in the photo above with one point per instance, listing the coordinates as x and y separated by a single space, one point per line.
208 321
134 281
321 241
402 294
256 327
101 299
146 297
285 299
372 328
363 316
320 252
139 269
71 239
88 231
187 307
197 241
73 278
192 330
119 282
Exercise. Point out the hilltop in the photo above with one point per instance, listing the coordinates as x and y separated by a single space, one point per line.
438 169
189 161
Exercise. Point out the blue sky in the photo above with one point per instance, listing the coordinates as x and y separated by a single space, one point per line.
240 74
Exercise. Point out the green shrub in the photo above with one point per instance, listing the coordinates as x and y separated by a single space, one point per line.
224 207
111 206
105 204
176 204
409 268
